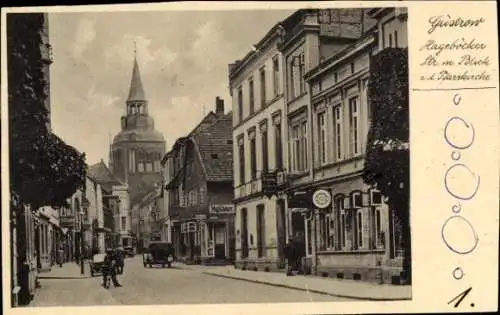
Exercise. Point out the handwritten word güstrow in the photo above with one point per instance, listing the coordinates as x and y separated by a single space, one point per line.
457 44
447 21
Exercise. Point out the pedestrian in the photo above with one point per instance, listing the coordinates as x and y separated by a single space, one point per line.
109 269
120 260
291 256
60 255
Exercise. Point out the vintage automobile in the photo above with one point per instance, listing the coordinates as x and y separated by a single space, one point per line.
129 251
159 253
97 264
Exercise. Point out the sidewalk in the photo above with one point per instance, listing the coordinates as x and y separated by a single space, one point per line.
66 287
340 288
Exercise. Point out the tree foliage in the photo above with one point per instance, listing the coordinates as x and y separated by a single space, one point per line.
43 169
387 163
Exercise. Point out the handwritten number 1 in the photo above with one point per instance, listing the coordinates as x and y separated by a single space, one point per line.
460 297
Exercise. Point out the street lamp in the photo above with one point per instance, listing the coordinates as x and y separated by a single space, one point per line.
82 271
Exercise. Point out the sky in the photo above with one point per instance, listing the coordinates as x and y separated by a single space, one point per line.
183 58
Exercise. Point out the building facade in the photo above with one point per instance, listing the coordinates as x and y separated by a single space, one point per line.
200 212
136 151
354 237
315 38
256 87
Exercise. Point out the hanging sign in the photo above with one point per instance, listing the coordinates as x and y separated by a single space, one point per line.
222 209
321 198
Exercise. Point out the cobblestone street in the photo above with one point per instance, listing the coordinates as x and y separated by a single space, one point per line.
148 286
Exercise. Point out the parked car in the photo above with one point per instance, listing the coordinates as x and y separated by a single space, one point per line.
159 253
97 264
129 251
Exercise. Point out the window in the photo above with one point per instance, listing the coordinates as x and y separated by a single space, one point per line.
360 229
378 229
340 212
297 71
253 159
303 149
276 76
202 195
354 125
301 74
337 117
326 232
131 161
396 39
352 67
240 104
149 162
263 87
251 94
264 151
141 161
298 147
241 155
322 138
390 40
124 223
278 146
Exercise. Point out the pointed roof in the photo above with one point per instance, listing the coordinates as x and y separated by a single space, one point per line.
136 92
101 173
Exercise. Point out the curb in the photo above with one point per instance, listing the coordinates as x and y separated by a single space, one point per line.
63 278
308 290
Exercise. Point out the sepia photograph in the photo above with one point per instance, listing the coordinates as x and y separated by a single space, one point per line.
198 157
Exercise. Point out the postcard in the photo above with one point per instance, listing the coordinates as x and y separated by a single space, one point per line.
251 157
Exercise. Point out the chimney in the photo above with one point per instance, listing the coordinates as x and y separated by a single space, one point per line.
219 106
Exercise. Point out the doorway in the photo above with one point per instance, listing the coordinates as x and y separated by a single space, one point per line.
220 241
298 233
244 233
281 228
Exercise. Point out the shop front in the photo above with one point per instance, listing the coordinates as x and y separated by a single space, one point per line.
217 235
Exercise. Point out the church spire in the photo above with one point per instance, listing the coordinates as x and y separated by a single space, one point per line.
136 92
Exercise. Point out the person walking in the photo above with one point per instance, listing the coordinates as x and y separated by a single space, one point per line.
109 270
60 255
291 256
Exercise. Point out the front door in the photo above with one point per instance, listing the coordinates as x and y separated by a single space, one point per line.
244 233
299 229
281 228
220 241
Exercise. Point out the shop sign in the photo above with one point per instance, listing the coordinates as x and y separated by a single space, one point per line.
321 198
300 199
222 209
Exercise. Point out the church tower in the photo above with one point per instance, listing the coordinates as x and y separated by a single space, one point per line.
137 149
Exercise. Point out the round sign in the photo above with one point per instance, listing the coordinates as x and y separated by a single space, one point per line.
321 198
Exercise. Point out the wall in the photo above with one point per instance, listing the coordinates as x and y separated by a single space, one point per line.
388 25
124 209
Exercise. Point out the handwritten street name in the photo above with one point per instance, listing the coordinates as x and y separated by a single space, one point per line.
458 59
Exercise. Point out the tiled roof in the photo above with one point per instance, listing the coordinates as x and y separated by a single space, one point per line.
215 146
101 173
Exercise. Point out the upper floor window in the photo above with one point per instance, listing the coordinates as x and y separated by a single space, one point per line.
252 96
263 87
264 149
253 159
276 76
240 104
131 161
337 138
354 126
278 145
297 71
298 147
241 159
322 138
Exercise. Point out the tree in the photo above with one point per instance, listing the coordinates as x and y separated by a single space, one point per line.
387 164
43 169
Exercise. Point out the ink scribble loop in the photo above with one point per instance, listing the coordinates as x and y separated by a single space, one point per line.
458 273
457 99
456 155
458 225
467 125
456 208
453 192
